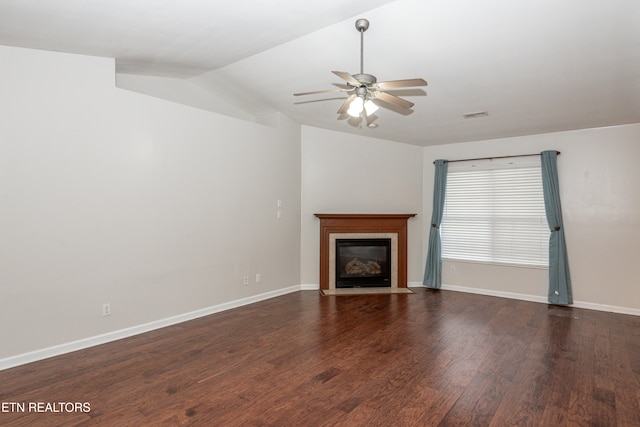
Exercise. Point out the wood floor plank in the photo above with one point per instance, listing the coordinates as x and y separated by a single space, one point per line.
426 359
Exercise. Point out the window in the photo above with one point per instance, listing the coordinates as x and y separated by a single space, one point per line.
494 212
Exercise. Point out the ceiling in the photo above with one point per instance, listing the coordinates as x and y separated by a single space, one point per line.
533 66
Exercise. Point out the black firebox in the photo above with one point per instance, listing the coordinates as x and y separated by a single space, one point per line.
363 263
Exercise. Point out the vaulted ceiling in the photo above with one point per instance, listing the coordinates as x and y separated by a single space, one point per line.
533 66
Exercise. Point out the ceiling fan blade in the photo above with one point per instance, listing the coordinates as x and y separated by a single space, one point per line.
345 106
347 78
392 99
320 91
392 84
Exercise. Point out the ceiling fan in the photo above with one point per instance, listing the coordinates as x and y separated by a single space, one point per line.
363 88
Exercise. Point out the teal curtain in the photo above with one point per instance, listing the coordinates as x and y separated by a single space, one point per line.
433 269
559 278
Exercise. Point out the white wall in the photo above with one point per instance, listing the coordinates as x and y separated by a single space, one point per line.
109 196
343 173
599 185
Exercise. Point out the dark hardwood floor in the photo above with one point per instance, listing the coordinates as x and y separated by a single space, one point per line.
431 358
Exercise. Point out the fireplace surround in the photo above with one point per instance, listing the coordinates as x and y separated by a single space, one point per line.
363 226
334 263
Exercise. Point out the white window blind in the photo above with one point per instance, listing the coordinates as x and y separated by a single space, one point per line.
495 214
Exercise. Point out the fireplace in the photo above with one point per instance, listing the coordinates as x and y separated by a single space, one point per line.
366 227
363 263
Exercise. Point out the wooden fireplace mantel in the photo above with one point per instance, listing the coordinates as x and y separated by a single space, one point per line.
363 223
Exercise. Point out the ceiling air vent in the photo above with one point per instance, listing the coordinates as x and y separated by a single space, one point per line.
475 115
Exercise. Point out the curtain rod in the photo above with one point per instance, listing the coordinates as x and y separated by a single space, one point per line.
491 158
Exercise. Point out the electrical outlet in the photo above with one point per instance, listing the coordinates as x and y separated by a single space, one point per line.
245 280
258 278
453 269
106 309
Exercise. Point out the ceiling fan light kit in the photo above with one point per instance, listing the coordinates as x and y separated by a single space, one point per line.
364 88
370 107
356 107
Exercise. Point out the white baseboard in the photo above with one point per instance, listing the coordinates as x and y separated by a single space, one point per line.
57 350
69 347
489 292
609 308
535 298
